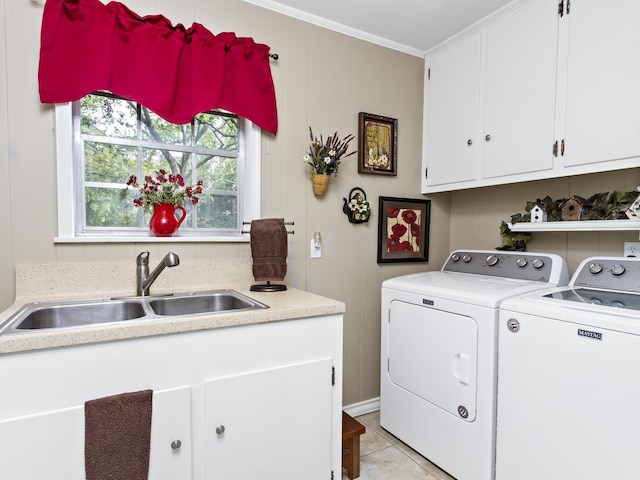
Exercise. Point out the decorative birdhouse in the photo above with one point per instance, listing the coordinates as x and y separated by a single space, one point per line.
572 208
633 212
538 213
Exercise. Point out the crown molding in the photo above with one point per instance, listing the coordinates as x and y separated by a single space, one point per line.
335 26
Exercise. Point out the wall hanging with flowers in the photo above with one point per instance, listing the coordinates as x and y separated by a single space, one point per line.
165 193
357 208
324 158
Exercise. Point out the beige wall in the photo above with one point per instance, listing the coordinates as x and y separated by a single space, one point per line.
323 79
476 215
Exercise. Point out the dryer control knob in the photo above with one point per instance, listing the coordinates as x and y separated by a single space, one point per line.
492 260
522 262
455 257
595 268
538 263
466 258
617 269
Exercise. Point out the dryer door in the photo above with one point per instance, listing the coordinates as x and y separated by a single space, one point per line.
433 354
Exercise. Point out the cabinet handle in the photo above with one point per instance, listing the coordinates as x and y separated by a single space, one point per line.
487 138
220 429
469 142
176 444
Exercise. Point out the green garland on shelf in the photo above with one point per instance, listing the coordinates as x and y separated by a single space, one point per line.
601 206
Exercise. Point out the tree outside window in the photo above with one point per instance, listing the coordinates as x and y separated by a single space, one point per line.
118 138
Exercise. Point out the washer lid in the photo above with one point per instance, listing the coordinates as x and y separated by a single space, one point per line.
598 297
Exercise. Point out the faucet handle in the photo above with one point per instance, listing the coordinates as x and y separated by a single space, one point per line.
143 258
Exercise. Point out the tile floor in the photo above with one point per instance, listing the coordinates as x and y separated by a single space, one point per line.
384 457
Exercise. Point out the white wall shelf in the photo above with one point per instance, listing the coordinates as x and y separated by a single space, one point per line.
577 226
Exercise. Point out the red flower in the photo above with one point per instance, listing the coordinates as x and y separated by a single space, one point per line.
405 247
409 216
164 189
392 243
399 230
393 212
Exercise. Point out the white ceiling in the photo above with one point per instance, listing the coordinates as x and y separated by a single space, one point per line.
412 26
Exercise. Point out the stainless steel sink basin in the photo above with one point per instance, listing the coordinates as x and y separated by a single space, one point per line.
212 302
55 315
38 316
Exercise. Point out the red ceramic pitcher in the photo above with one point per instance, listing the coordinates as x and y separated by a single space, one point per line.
164 222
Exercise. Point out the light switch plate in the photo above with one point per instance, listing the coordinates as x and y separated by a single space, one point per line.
314 251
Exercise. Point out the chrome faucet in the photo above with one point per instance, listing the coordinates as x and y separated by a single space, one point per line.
143 279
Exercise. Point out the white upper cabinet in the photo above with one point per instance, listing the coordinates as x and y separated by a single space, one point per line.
519 96
542 91
602 82
451 121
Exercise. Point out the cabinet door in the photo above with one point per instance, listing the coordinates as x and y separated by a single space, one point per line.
603 84
50 445
47 445
272 424
171 448
451 106
518 129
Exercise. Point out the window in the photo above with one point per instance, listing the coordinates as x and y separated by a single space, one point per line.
104 139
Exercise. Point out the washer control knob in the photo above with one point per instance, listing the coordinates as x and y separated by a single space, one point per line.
538 263
466 258
455 257
492 260
617 269
522 262
595 268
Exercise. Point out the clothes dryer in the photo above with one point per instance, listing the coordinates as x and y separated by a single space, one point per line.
438 353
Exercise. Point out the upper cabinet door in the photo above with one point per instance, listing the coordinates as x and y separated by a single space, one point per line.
602 83
452 97
518 130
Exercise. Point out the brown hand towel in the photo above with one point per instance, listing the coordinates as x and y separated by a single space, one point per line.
269 249
118 436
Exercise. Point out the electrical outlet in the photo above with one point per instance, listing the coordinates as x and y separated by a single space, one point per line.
632 249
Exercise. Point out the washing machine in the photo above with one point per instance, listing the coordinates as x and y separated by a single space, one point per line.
569 377
438 353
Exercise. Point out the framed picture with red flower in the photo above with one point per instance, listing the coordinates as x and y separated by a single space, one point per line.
378 144
403 229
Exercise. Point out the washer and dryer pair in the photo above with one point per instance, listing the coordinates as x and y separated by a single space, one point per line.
439 353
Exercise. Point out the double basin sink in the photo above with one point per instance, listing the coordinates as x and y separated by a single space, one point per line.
55 315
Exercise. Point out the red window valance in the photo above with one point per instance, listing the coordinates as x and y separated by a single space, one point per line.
176 72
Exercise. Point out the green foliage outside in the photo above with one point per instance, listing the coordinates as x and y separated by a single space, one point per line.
122 138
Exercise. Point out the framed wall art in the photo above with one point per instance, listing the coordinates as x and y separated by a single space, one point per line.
403 229
378 144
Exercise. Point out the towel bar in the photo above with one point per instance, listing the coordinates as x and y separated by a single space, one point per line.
286 223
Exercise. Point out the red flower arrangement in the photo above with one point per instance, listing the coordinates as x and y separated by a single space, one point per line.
164 189
405 233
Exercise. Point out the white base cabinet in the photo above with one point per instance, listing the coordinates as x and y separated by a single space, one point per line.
257 401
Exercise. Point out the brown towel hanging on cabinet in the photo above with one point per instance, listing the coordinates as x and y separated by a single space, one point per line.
118 436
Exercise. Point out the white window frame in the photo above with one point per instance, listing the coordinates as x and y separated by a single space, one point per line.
248 175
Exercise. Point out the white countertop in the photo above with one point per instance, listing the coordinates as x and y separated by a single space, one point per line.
285 305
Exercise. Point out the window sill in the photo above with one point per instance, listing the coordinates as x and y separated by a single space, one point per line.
151 239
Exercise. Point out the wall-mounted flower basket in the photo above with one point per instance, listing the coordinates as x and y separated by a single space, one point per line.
357 208
320 183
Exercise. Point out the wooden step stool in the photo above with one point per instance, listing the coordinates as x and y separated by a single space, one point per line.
351 431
